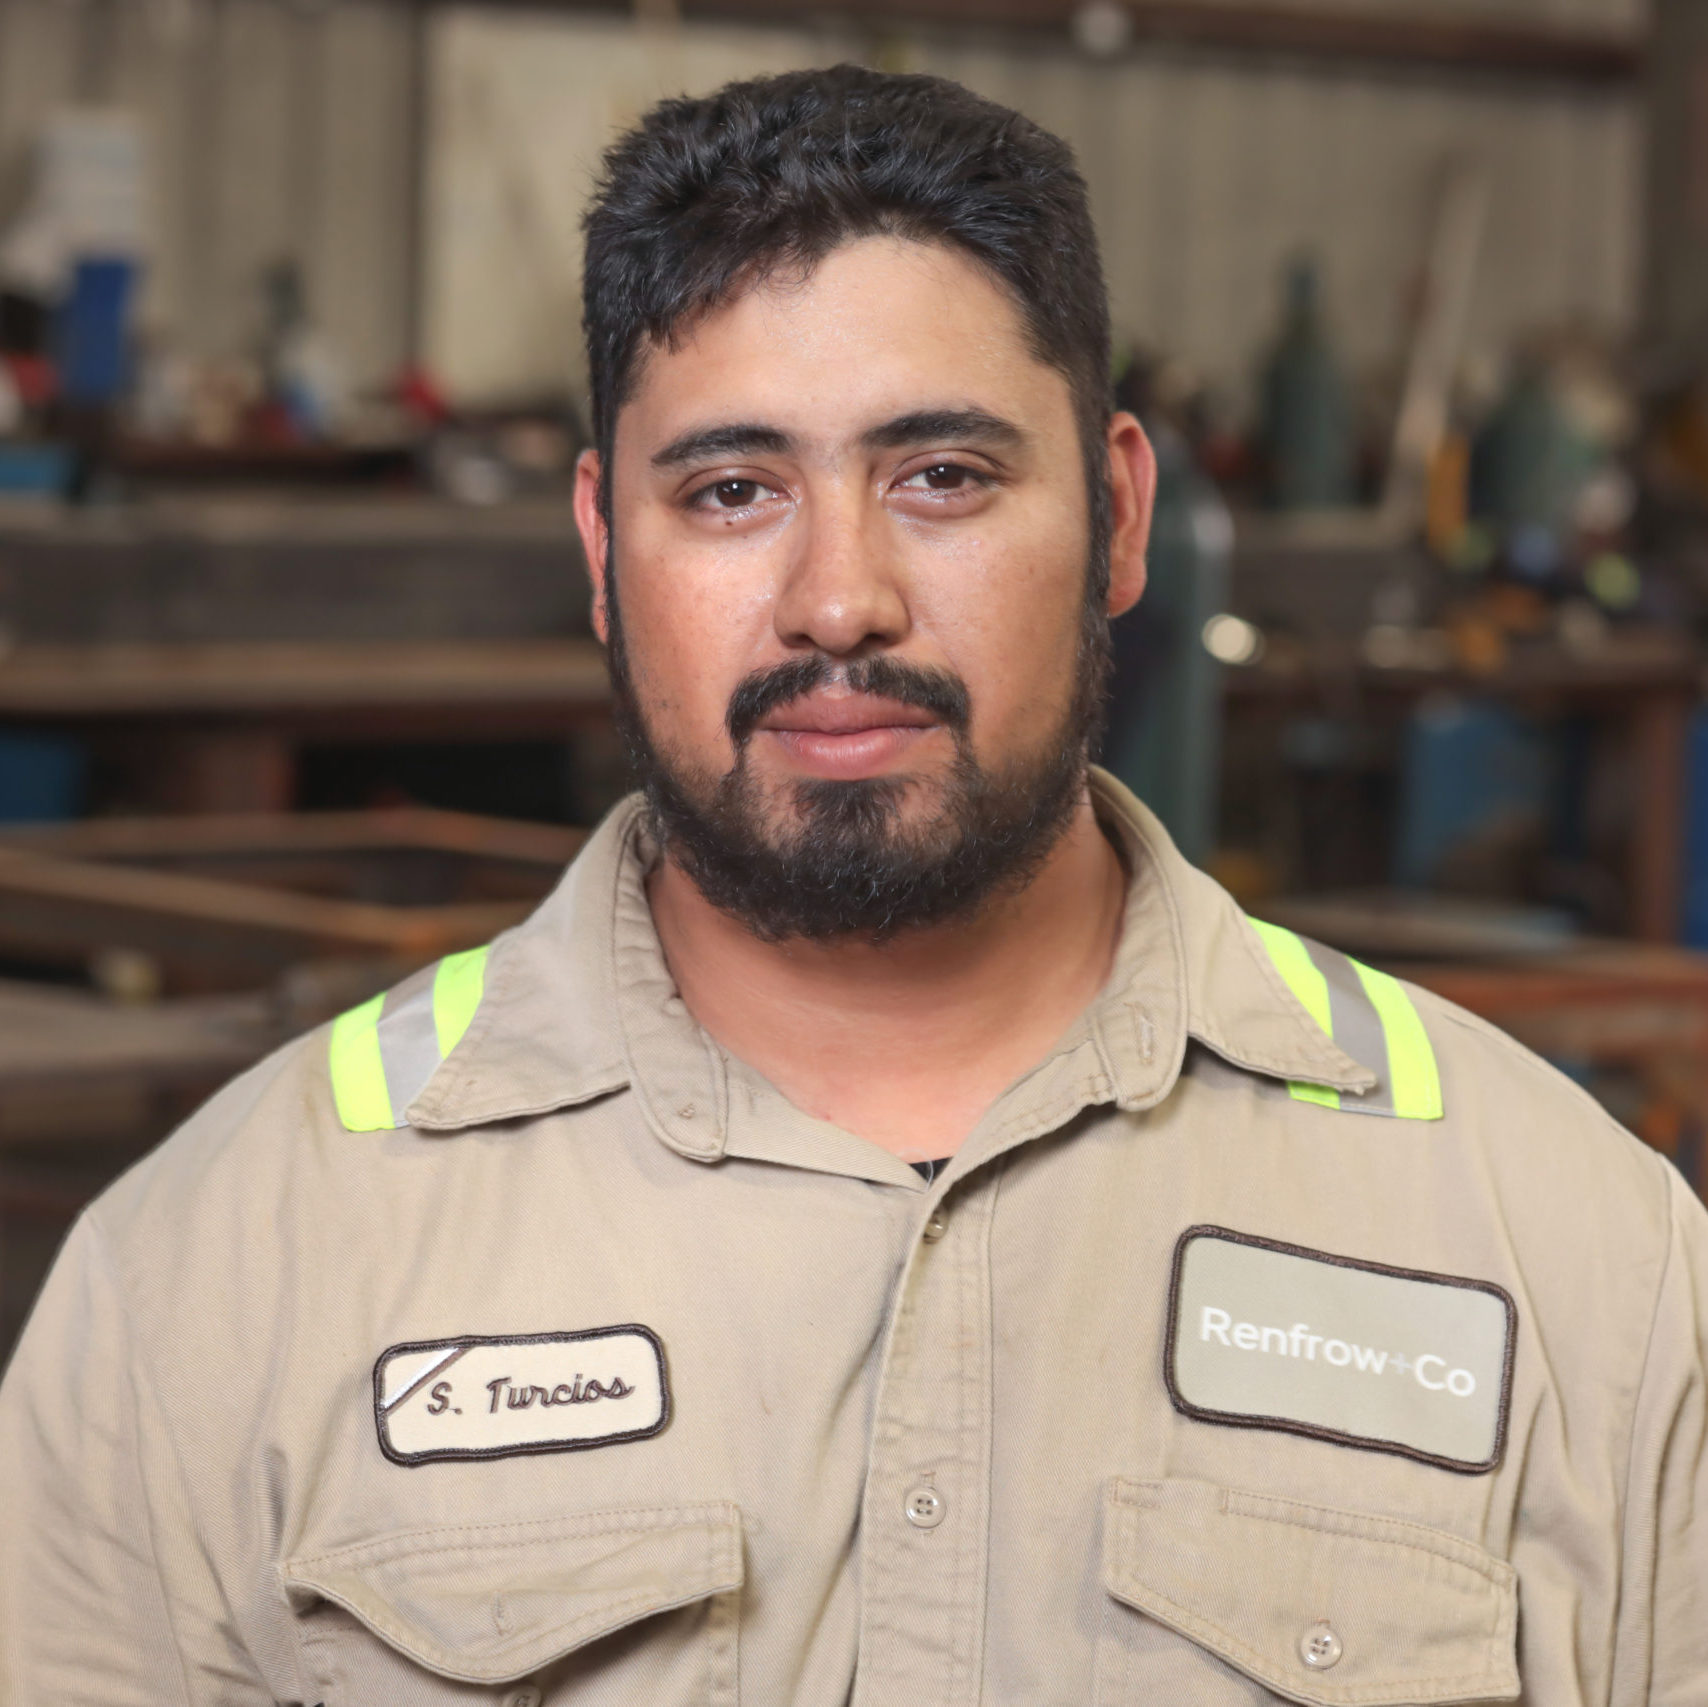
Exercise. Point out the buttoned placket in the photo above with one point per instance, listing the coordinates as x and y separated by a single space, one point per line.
925 1512
925 1516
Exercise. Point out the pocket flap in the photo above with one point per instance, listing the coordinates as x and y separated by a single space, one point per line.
486 1603
1413 1614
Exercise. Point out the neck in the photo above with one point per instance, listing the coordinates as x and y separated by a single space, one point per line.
950 1015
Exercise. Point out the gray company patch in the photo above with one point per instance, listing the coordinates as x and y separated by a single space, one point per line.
480 1397
1267 1335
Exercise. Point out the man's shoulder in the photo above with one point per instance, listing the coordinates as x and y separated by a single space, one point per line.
1490 1075
504 1030
1552 1154
235 1150
356 1123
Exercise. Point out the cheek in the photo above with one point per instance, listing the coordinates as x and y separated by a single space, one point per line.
689 627
1006 614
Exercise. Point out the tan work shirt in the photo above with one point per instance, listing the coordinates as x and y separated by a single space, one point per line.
603 1375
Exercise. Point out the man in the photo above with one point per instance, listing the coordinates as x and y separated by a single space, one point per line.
572 1324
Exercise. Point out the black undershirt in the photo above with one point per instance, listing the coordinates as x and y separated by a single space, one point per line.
928 1171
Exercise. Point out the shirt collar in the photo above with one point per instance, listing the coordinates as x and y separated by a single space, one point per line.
579 1003
1235 1002
546 1034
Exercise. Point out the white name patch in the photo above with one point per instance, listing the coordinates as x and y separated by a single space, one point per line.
1267 1335
491 1398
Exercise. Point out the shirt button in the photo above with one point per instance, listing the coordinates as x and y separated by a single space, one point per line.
936 1227
926 1508
1320 1647
527 1697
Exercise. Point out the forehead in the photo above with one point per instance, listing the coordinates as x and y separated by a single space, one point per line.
878 326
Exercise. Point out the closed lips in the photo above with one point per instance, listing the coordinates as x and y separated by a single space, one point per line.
846 716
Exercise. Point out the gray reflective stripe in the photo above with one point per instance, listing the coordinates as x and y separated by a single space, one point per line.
409 1041
381 1054
1358 1028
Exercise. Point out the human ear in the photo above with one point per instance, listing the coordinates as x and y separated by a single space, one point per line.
595 536
1132 492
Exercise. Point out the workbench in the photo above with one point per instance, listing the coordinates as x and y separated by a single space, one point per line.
1645 683
216 726
197 644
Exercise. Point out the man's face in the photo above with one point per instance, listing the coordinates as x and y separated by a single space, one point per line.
850 553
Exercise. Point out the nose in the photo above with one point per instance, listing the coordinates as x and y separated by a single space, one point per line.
842 592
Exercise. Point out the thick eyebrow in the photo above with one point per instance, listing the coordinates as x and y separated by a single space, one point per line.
922 426
941 426
710 444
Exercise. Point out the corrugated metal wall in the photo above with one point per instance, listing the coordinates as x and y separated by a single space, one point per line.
1207 173
280 127
273 129
1206 177
1676 299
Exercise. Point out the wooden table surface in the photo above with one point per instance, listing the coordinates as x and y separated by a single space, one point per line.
217 726
248 679
1648 681
66 1037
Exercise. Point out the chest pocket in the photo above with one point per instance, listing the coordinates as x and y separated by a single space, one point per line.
1301 1602
595 1610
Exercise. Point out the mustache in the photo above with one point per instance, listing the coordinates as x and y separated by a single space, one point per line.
940 692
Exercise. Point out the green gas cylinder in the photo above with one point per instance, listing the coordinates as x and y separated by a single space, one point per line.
1165 714
1305 429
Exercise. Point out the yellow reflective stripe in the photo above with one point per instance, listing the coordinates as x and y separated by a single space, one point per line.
1293 961
1412 1074
457 987
1304 1091
358 1075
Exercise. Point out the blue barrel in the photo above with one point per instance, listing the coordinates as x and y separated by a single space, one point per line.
41 777
1696 835
1472 772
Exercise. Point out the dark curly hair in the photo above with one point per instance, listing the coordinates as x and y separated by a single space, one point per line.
707 195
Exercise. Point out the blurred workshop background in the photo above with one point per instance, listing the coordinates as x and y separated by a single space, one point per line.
297 689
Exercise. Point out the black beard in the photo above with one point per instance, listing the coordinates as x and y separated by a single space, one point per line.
850 869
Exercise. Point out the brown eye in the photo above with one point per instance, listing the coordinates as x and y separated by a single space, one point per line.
944 477
735 494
